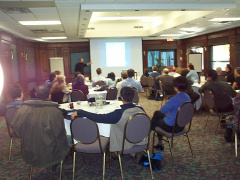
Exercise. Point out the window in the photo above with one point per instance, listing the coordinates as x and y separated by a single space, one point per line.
220 56
166 58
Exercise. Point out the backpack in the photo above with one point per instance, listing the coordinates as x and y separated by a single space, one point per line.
228 135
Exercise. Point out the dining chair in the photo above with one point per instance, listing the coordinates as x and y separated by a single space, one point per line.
151 84
112 93
144 83
86 139
57 97
77 95
136 130
135 97
10 113
99 83
210 104
183 119
164 95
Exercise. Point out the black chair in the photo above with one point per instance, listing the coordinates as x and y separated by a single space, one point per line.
77 95
210 104
112 94
57 97
10 113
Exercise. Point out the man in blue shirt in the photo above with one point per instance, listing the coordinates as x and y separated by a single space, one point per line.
165 118
132 82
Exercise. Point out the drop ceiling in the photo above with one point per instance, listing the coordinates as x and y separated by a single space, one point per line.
82 20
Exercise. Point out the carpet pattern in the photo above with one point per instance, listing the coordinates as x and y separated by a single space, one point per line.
213 157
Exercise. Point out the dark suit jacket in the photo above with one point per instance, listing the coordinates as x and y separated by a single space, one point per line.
154 75
167 83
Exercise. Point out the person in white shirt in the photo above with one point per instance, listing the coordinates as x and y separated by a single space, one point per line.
111 80
99 77
192 73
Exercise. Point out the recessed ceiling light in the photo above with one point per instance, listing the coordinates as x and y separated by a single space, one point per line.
63 37
226 19
39 22
119 18
171 35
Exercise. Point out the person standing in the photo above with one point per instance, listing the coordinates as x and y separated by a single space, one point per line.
80 66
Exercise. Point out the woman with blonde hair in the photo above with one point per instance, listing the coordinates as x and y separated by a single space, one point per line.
60 86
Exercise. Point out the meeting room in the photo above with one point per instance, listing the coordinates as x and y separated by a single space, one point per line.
112 89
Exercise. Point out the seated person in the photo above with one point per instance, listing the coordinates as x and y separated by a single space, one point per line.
167 82
146 72
229 74
193 95
119 84
52 79
219 73
155 74
165 118
222 92
60 86
111 80
99 78
16 93
80 85
118 118
192 74
40 125
236 83
132 82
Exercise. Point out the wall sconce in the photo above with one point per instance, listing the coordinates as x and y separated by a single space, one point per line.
205 48
144 53
11 54
25 52
65 54
180 50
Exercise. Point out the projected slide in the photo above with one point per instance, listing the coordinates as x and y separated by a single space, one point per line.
115 54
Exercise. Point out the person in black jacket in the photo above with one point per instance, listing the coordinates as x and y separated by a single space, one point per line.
230 75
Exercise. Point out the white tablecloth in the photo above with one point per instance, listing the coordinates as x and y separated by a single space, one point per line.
195 88
104 129
93 93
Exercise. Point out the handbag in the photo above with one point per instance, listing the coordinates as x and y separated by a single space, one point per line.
155 159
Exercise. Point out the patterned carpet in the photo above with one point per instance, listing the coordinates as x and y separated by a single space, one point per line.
213 157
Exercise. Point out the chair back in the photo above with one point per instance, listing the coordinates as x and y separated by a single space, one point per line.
112 94
161 88
77 95
57 97
144 81
84 130
184 114
137 128
209 100
10 113
100 83
151 81
136 97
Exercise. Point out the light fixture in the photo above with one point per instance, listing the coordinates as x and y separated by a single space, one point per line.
171 35
226 19
120 18
1 79
39 22
63 37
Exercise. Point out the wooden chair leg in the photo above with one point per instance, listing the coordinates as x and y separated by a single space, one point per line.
150 164
190 145
170 147
104 157
30 173
120 164
219 119
207 120
235 143
10 149
74 157
60 173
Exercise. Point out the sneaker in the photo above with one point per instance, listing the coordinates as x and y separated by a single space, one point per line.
159 147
